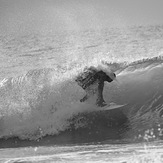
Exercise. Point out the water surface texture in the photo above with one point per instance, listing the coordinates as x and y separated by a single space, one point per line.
41 116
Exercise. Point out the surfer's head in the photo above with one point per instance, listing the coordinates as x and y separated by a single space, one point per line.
107 70
112 75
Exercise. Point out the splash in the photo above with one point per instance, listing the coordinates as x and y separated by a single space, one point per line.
42 101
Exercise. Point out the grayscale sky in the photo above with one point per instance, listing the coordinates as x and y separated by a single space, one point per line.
51 15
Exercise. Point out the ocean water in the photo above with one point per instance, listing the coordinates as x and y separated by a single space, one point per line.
41 116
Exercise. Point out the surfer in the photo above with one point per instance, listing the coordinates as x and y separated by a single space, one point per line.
92 81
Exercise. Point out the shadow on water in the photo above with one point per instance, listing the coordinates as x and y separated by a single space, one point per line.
90 127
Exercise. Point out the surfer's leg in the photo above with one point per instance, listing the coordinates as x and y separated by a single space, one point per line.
100 100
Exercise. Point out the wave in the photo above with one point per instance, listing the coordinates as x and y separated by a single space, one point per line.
46 102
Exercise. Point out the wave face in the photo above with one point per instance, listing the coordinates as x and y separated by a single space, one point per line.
46 102
40 100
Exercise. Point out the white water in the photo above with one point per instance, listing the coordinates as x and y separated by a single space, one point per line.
38 95
120 153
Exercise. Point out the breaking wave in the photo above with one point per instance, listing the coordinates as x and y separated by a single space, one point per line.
47 102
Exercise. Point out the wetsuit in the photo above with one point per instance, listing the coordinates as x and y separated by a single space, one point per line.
90 77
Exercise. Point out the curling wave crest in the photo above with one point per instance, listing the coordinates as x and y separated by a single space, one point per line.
46 102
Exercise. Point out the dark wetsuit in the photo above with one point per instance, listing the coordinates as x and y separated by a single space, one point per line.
91 76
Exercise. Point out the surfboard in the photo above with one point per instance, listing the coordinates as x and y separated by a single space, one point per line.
111 106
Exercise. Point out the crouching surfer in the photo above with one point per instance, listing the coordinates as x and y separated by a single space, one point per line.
92 81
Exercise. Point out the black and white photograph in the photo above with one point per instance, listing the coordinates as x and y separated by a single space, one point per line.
81 81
